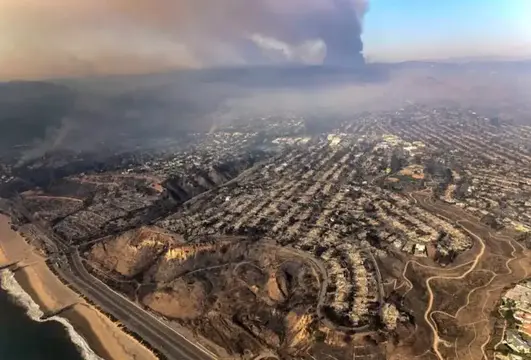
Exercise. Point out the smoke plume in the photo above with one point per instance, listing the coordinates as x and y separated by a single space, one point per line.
343 36
62 37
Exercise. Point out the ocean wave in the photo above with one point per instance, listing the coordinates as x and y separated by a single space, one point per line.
9 284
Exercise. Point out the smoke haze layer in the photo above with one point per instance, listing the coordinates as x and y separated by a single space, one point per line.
63 38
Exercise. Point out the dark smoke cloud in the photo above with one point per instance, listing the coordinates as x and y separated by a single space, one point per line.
339 27
61 37
343 36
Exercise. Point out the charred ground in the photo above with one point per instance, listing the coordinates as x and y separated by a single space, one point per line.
386 235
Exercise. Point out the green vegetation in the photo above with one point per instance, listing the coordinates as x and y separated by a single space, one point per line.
509 303
508 314
319 336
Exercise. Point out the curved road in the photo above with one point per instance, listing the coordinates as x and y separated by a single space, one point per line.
163 338
160 336
427 314
317 264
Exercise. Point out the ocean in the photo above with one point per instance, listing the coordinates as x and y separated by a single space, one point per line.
24 335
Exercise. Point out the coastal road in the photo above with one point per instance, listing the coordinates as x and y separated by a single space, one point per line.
159 335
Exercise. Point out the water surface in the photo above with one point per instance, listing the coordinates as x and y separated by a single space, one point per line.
23 338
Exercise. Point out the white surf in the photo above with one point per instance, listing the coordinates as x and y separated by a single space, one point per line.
9 284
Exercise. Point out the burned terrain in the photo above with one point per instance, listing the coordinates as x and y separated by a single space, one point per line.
388 235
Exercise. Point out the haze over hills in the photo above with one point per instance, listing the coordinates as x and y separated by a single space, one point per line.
303 210
267 179
83 114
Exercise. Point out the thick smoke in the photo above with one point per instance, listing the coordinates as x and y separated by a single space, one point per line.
61 37
343 37
138 36
338 27
335 27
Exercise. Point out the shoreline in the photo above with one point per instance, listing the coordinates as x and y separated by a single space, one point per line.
41 292
71 315
11 286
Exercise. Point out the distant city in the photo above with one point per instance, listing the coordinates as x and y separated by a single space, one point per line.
292 237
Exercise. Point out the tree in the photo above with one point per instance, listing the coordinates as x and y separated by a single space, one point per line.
397 162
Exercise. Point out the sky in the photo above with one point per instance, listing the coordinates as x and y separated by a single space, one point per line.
79 38
438 29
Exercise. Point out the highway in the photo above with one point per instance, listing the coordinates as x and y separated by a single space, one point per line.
166 340
157 334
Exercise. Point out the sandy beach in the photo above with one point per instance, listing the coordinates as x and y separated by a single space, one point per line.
104 337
